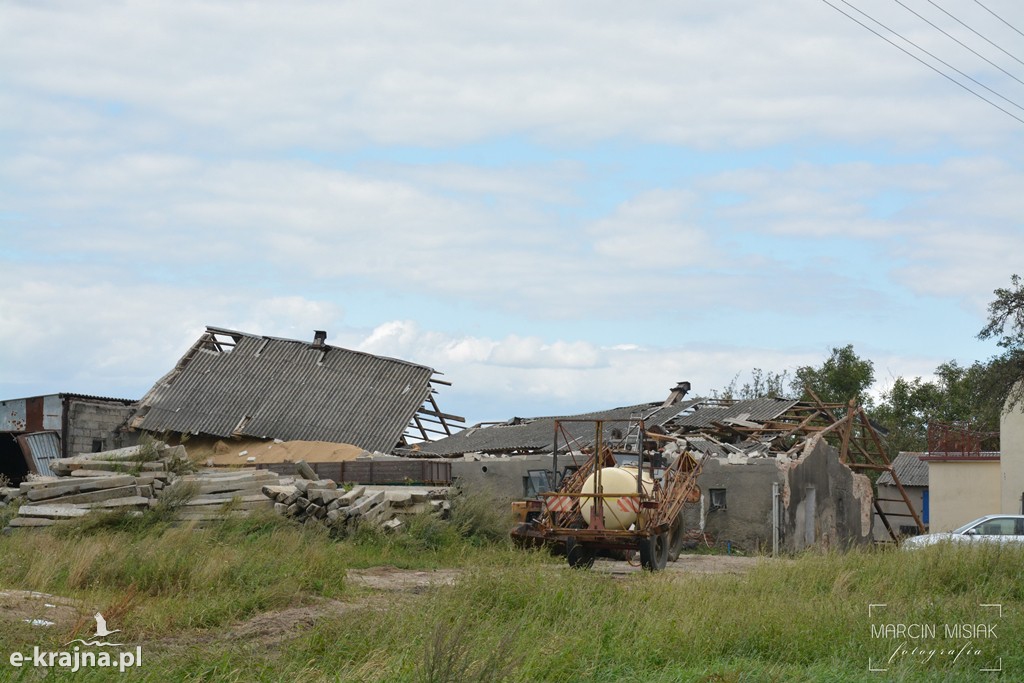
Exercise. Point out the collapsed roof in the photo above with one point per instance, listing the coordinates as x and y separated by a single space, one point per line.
537 435
233 384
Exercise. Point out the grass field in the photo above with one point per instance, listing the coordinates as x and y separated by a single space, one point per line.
260 600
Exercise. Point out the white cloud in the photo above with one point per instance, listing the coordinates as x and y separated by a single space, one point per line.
656 229
567 381
67 328
277 74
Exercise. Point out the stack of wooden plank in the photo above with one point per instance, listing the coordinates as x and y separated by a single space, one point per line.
46 500
150 457
321 499
224 493
136 479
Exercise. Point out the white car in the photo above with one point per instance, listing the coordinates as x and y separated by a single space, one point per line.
987 529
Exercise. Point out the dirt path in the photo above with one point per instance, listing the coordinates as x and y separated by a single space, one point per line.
41 609
402 580
686 564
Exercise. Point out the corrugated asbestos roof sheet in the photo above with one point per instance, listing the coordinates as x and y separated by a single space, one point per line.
909 468
752 410
538 434
278 388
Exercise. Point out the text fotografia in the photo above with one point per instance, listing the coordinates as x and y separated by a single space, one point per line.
74 660
938 644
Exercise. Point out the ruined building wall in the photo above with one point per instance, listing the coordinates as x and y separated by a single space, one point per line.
94 421
501 478
745 522
825 503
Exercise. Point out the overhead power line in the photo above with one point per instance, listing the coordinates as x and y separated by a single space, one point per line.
930 66
957 40
999 17
937 59
1011 56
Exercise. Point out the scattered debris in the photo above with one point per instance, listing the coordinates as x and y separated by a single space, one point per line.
136 479
313 499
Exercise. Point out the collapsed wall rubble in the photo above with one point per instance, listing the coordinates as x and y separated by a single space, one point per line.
149 476
133 480
309 499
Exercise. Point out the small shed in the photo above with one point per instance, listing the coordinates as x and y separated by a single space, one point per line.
37 429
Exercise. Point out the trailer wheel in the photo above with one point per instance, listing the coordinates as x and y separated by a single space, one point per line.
676 537
654 552
579 556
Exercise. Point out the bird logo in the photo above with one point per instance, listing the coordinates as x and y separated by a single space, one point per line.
101 632
101 626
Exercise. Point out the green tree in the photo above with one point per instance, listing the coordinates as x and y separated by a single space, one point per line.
959 395
762 383
843 375
1006 316
1006 325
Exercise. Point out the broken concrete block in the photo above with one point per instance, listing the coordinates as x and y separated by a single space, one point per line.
364 504
398 499
352 496
329 495
303 469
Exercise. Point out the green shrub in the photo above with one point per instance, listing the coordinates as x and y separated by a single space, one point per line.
479 517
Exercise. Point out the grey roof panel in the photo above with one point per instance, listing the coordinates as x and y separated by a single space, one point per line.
279 388
911 470
706 412
538 434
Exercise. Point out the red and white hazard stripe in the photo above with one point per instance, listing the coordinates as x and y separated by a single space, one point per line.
558 503
628 503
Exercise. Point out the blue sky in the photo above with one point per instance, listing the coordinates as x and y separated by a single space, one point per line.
561 206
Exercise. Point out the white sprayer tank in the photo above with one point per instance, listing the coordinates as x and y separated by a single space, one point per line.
620 510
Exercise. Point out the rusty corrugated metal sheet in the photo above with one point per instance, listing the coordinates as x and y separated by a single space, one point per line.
13 415
40 449
278 388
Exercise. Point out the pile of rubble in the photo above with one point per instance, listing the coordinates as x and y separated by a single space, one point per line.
309 498
135 479
138 478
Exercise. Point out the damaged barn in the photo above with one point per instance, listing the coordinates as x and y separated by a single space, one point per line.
777 474
233 384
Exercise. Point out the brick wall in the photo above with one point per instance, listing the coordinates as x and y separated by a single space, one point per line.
90 421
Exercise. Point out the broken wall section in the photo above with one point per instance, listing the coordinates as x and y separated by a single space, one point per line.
825 503
822 502
94 426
